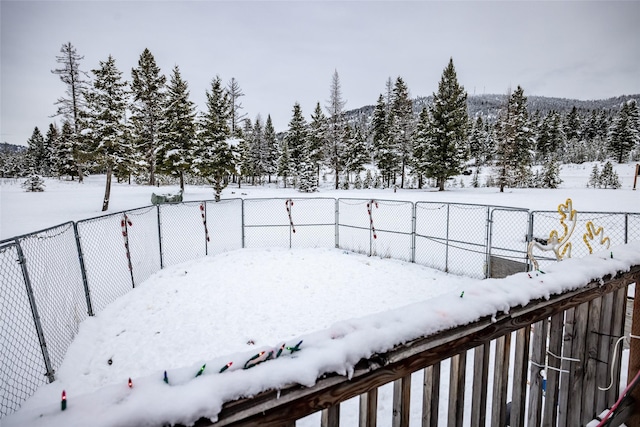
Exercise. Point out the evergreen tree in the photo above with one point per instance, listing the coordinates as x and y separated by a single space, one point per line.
609 177
244 165
271 149
285 165
65 157
442 130
550 177
178 131
34 183
107 105
213 157
384 155
258 150
235 116
296 138
368 180
71 106
148 85
50 143
625 131
307 172
317 137
476 142
514 139
355 151
572 125
594 178
36 152
401 125
334 150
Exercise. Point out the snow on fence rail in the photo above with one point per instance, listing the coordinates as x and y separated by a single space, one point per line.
54 278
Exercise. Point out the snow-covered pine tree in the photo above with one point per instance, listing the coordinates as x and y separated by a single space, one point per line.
308 180
235 116
34 183
147 86
594 178
443 130
355 155
285 166
385 157
317 137
402 125
71 106
177 133
242 152
257 151
36 152
64 153
50 142
476 142
270 149
625 131
213 158
609 177
514 143
550 176
334 149
357 183
368 180
106 107
297 140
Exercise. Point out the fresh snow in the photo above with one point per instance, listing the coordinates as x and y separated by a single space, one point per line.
229 307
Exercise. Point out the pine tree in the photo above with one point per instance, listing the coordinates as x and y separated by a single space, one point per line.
334 150
476 142
271 149
285 166
71 107
401 126
178 131
609 177
594 178
50 143
625 131
317 137
443 130
308 179
368 180
64 153
258 150
550 177
297 140
36 152
147 85
355 151
107 105
244 165
235 116
514 138
34 183
383 153
213 157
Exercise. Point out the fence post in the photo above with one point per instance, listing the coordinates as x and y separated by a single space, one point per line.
83 271
160 238
446 247
529 238
626 228
34 311
413 232
125 231
206 235
337 228
242 225
488 242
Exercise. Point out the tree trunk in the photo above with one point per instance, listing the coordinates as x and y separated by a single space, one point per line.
441 181
402 178
107 190
182 181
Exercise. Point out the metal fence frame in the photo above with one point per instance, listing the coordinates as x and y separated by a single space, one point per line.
108 255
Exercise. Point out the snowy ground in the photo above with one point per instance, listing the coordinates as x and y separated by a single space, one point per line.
229 307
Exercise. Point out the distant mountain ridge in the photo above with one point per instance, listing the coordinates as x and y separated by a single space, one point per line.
489 105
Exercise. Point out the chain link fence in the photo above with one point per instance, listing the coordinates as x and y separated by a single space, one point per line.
53 279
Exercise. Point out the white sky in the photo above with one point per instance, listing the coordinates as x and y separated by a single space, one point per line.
283 52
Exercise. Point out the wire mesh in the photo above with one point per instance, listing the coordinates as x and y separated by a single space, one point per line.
509 235
376 227
633 227
144 244
314 223
267 223
22 368
105 259
183 232
467 241
51 258
614 226
224 224
432 221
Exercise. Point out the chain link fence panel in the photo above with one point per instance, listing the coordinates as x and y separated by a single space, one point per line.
508 239
105 258
614 226
432 221
144 242
314 222
467 243
183 232
53 265
22 368
633 227
381 228
224 225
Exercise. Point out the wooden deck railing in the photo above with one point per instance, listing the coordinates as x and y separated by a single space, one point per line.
572 333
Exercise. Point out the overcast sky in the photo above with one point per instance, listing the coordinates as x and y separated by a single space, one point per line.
283 52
